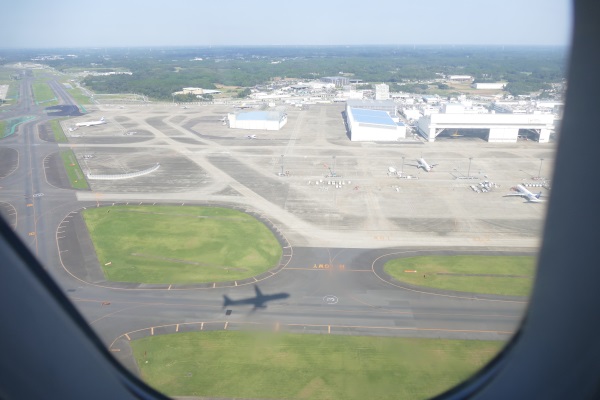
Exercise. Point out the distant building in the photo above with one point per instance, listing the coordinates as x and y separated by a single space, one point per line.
373 126
460 78
346 95
382 92
431 99
453 108
411 113
264 120
489 85
338 81
197 91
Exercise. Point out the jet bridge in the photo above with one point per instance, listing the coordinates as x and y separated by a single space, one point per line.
503 128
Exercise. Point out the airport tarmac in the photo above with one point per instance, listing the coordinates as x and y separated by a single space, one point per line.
362 204
335 234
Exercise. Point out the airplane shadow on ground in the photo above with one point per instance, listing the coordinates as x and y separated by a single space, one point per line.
258 301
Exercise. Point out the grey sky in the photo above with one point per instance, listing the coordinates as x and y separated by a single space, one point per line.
109 23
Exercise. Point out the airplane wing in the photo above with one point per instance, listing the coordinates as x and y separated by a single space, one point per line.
532 199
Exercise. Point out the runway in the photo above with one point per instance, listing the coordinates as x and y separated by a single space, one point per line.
333 288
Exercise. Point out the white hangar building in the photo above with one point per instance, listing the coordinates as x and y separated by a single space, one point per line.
263 120
502 127
373 126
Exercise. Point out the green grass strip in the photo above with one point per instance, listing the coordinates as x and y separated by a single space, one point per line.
43 94
227 364
78 96
76 176
59 134
502 275
12 124
3 130
178 245
13 92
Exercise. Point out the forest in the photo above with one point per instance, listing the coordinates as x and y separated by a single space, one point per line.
157 73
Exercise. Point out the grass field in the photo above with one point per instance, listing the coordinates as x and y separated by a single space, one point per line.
13 93
503 275
59 134
227 364
3 130
78 96
76 176
43 94
174 244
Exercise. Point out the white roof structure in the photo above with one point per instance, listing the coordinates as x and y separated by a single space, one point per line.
503 127
263 120
373 125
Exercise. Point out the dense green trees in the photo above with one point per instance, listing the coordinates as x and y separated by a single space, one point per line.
158 73
244 93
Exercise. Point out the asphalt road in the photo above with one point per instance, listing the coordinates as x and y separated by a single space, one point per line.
331 290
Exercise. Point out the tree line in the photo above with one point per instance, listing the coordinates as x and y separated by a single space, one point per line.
158 73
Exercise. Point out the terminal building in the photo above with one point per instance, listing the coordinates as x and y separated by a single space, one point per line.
367 125
503 128
263 120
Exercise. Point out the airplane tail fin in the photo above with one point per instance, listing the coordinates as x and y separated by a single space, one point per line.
537 196
226 301
102 119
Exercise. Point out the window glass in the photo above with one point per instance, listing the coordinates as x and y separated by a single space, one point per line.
286 200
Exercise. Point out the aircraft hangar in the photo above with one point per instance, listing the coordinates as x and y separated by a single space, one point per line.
264 120
503 128
373 126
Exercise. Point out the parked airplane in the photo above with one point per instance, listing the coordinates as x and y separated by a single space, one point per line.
258 301
523 192
423 164
91 123
243 106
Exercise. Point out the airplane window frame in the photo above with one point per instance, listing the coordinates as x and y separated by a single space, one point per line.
554 355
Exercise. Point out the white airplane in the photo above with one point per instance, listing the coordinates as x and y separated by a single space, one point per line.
523 192
242 106
421 163
91 123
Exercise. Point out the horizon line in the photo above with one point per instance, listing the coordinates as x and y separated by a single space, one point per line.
209 46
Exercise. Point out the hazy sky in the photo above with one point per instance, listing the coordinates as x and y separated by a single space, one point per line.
112 23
